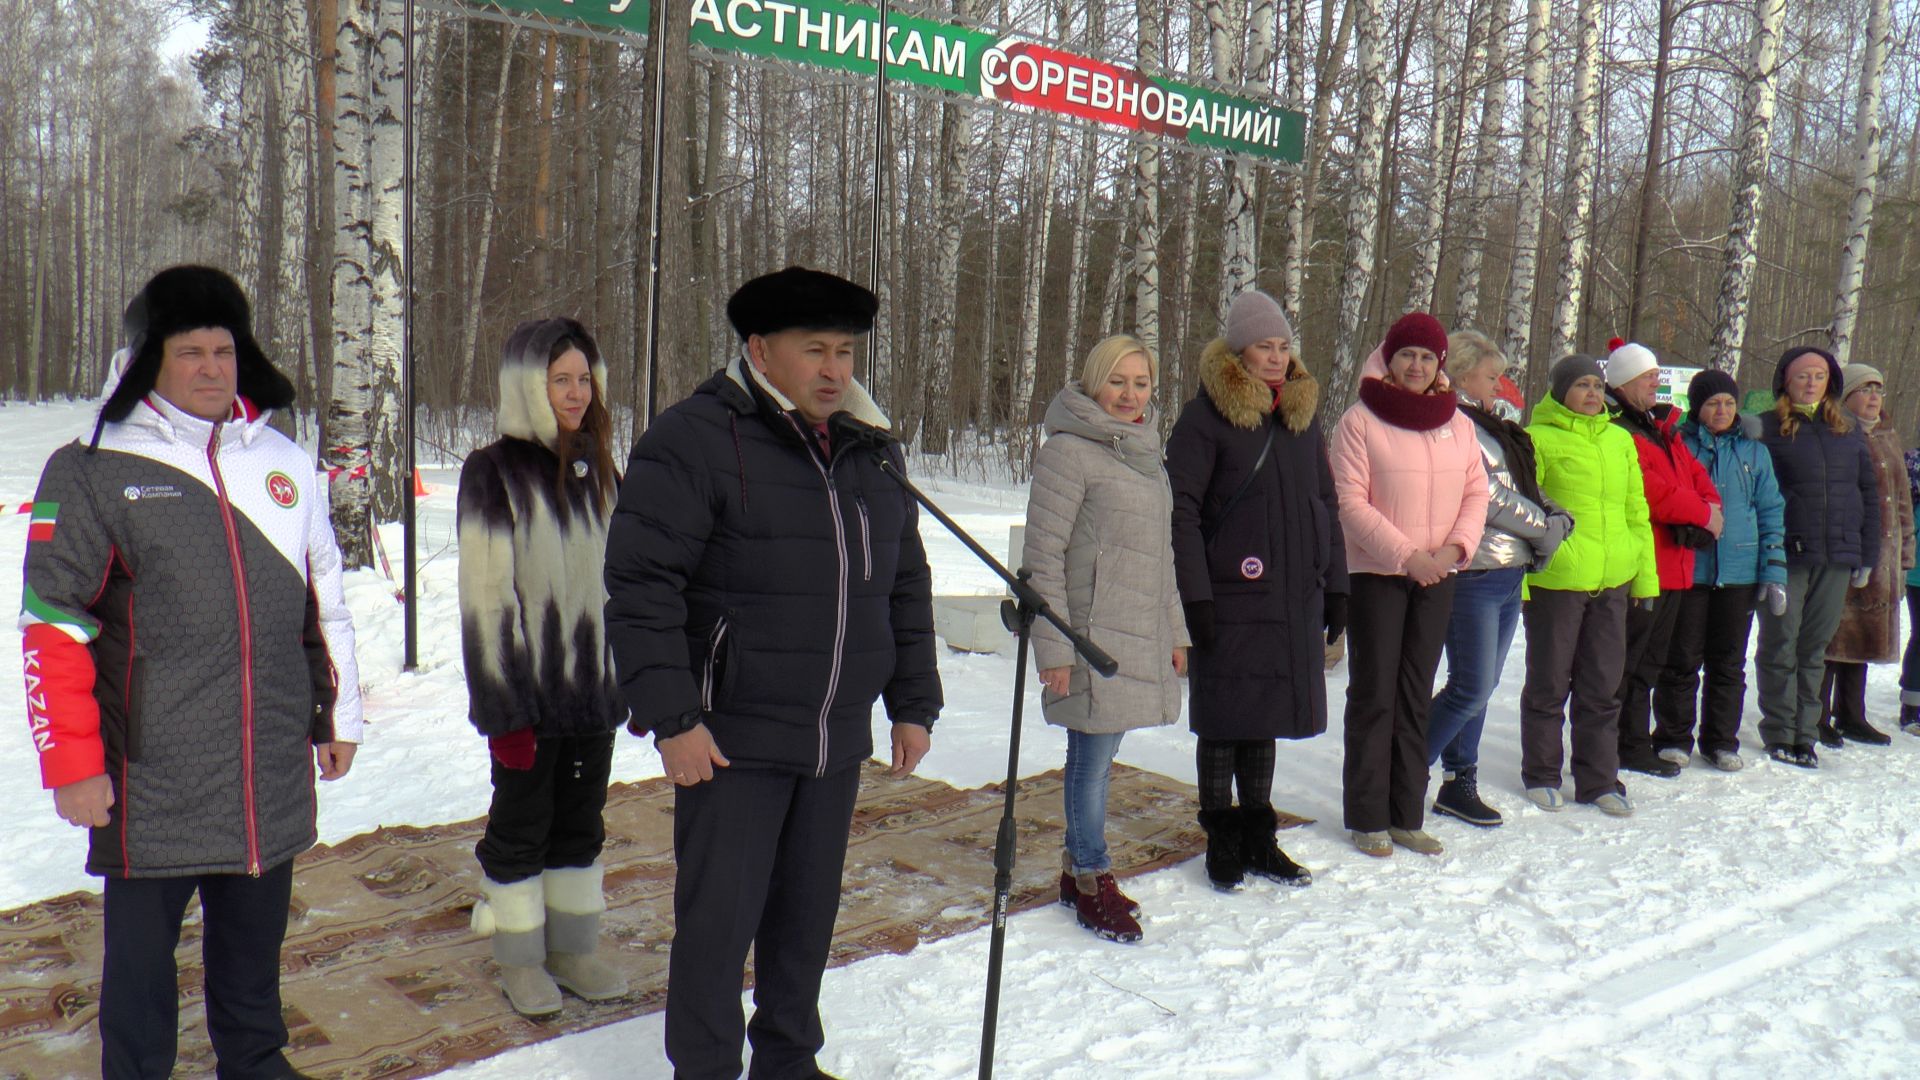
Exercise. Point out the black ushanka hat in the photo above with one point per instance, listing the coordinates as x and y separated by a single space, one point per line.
180 299
801 299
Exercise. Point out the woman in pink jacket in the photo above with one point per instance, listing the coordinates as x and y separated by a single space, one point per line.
1413 501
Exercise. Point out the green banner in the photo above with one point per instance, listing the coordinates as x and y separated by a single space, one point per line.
943 56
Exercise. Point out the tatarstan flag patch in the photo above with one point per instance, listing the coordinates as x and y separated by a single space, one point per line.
40 525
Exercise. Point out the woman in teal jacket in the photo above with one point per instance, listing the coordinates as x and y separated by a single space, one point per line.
1746 566
1576 613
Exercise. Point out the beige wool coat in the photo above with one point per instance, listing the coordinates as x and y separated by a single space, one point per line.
1100 544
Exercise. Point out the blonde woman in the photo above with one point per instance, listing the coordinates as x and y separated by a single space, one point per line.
1100 544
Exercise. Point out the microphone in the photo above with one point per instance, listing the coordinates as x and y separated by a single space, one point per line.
843 425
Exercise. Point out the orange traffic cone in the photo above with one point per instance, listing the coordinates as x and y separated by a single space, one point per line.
419 486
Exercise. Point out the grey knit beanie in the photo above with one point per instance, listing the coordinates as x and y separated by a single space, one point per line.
1569 370
1255 316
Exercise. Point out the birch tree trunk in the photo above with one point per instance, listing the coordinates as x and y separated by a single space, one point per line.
1439 180
1293 268
1581 179
1650 174
1362 206
1319 130
477 388
1493 108
1533 167
1039 214
1750 174
1150 56
956 163
1228 34
1866 178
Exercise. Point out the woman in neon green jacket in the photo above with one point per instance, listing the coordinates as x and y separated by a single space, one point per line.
1576 611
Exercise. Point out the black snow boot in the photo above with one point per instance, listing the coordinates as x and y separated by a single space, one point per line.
1459 796
1910 719
1225 869
1829 734
1262 855
1862 732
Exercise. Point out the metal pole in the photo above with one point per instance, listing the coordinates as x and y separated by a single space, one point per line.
411 657
879 191
658 33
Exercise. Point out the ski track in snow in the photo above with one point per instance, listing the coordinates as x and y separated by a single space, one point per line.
1740 925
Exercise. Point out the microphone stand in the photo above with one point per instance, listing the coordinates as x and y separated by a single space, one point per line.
1018 614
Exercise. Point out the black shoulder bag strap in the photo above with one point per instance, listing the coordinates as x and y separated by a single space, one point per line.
1266 449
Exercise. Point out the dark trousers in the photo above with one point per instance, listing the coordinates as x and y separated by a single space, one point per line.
760 854
1844 693
1910 660
1649 632
548 816
244 920
1393 647
1711 630
1576 644
1219 763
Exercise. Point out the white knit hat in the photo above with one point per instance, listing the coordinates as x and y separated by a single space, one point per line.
1628 361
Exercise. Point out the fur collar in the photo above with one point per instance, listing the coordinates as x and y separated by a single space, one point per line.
1405 409
1244 400
859 402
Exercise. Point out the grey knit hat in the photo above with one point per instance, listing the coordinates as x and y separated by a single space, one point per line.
1568 370
1255 316
1855 376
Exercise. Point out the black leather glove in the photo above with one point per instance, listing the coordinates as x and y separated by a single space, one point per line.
1692 536
1200 623
1335 616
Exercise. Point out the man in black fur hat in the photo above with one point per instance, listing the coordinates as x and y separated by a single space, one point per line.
188 745
766 585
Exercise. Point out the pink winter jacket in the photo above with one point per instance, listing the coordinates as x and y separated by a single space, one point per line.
1403 491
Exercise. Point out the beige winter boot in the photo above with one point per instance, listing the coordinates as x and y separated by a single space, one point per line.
514 916
574 903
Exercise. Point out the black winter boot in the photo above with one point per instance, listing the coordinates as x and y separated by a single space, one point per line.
1262 855
1459 796
1829 734
1225 869
1910 719
1858 730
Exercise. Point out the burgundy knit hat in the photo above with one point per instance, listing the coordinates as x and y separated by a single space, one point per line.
1417 329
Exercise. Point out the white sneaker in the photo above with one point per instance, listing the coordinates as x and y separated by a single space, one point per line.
1727 761
1676 756
1614 805
1546 798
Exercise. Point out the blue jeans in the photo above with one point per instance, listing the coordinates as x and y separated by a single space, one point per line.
1089 761
1486 608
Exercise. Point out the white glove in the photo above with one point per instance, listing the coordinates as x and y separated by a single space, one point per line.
1862 575
1774 595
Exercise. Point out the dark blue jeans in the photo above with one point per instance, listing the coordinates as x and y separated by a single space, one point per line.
1486 609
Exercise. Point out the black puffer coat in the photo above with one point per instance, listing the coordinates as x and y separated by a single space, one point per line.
1828 478
1270 561
772 589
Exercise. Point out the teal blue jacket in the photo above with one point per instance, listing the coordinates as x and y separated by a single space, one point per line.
1752 548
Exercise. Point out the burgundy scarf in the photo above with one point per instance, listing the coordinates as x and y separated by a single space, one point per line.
1405 409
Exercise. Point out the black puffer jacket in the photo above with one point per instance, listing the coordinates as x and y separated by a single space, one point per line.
1270 561
774 588
1828 478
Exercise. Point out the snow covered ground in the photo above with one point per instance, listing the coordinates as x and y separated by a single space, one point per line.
1764 923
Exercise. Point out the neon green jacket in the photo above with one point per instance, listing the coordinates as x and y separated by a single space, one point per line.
1589 465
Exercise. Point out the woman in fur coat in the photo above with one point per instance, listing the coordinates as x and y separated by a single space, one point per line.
1100 545
532 515
1262 574
1869 630
1413 504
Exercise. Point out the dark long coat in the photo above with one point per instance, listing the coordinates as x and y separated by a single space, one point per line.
1268 564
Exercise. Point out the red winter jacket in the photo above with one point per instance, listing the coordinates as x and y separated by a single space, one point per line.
1679 491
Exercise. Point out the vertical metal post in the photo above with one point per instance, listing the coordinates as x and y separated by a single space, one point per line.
657 37
879 202
411 657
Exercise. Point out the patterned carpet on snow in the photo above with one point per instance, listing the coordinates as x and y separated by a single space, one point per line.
382 977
